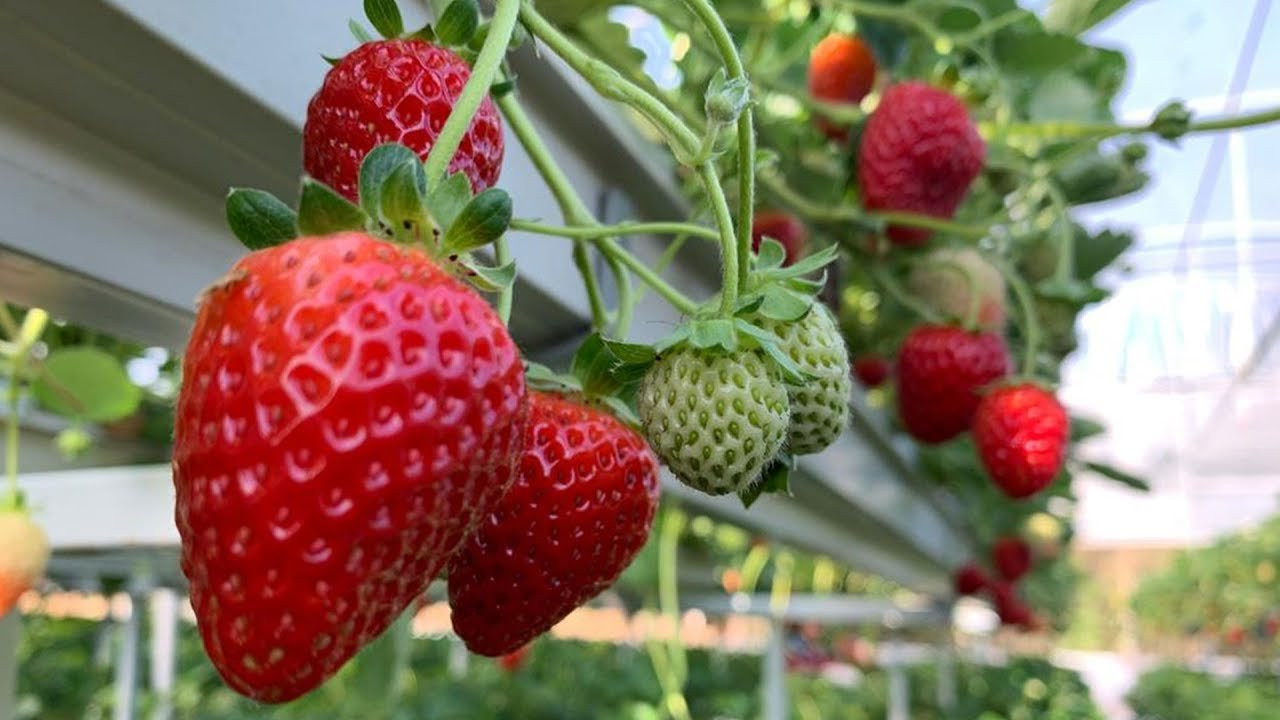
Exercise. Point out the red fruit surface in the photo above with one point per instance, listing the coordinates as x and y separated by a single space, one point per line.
575 519
514 660
970 580
919 153
841 70
940 370
1021 432
1009 607
349 412
783 227
1011 557
395 91
871 370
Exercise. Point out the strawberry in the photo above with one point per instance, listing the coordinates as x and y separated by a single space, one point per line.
1021 433
1011 609
871 369
514 660
24 553
349 412
395 91
942 280
919 153
841 70
783 227
1011 557
970 580
577 515
940 371
715 418
819 404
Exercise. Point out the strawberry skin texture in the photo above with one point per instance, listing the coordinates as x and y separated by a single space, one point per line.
576 517
919 153
940 370
871 370
349 412
783 227
395 91
969 580
841 70
24 554
1021 432
1011 557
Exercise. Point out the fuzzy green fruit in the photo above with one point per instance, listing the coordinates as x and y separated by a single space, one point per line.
819 406
716 419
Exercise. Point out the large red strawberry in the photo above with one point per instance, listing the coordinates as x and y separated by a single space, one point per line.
1021 432
349 412
969 580
395 91
919 153
24 553
783 227
576 517
940 371
841 70
1011 557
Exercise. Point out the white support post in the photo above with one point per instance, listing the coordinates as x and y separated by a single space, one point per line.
459 658
126 671
164 644
10 627
899 690
946 676
774 683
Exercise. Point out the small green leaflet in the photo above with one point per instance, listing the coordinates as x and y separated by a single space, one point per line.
717 332
259 219
446 200
385 17
776 480
360 32
480 222
768 342
1082 428
403 198
458 22
784 304
377 167
606 367
489 279
771 254
322 211
1120 476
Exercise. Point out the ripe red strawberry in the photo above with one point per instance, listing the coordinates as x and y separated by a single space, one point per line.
1011 557
940 371
871 370
783 227
919 153
24 553
395 91
842 70
1021 433
1011 609
349 412
515 659
970 580
576 517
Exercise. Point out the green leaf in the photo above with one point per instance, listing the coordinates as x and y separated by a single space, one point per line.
771 254
1037 53
447 200
959 17
259 219
770 344
1062 95
385 17
361 33
808 264
541 377
458 22
776 480
482 221
321 210
1076 16
489 279
717 332
1119 476
86 383
784 304
1095 252
1083 428
605 367
376 168
1072 292
403 196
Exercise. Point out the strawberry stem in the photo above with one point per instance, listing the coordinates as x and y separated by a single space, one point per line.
623 228
502 253
23 338
728 245
894 288
1030 319
1101 131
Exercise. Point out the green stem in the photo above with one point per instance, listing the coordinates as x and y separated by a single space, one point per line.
24 339
1031 320
668 590
483 72
502 252
647 276
728 245
1262 117
894 288
1101 131
992 26
582 261
624 228
610 83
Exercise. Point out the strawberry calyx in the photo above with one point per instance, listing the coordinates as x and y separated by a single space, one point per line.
604 373
446 222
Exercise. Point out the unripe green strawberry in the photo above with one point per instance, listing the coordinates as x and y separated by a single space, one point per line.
820 405
941 279
716 419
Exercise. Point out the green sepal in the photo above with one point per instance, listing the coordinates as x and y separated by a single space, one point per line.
488 279
761 339
713 333
607 367
776 480
480 222
360 32
458 23
1172 121
259 219
784 304
376 168
385 17
1083 428
402 204
726 98
806 265
748 304
540 377
331 60
771 256
321 210
1120 476
426 33
1073 292
446 200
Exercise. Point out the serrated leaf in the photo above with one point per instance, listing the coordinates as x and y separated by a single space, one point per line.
321 210
1095 252
1119 476
403 196
775 480
361 33
784 305
480 222
716 332
458 22
446 200
385 17
86 383
259 219
377 166
489 279
772 254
